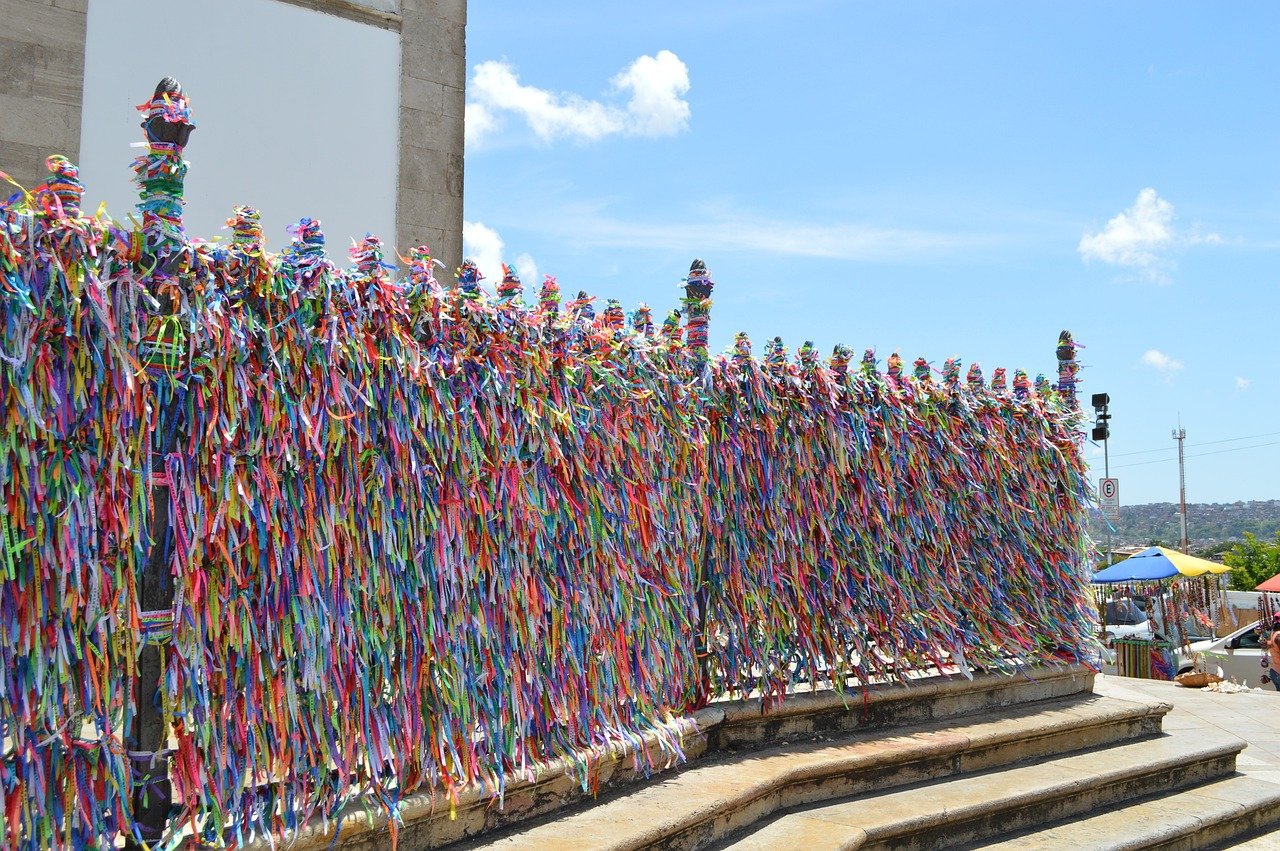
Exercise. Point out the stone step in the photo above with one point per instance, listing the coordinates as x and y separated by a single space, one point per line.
704 803
969 809
431 818
1206 816
1267 839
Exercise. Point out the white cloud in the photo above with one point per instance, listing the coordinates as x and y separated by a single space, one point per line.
496 87
482 246
1161 362
1141 237
1243 383
528 271
657 84
480 122
1136 236
721 228
656 107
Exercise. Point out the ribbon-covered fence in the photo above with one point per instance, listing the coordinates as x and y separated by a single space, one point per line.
424 537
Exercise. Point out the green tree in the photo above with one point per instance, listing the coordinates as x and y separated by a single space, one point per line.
1217 550
1252 562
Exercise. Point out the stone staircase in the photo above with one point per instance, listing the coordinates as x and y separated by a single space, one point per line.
1035 763
1086 793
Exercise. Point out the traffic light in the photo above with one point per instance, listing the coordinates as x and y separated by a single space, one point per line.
1102 420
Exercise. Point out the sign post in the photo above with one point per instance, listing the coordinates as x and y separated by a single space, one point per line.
1109 498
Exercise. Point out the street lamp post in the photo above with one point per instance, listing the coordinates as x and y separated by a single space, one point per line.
1102 431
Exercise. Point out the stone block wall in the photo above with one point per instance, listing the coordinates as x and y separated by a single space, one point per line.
41 84
433 76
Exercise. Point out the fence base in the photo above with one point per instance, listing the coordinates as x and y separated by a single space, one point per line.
428 820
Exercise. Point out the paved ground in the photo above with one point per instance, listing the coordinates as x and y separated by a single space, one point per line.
1253 716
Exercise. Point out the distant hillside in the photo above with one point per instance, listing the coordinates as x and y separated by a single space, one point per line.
1208 524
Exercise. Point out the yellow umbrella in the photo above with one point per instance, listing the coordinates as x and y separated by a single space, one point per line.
1158 563
1185 564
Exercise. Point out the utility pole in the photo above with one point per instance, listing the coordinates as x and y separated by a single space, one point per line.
1180 434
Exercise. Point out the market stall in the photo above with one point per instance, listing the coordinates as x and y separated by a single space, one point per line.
1180 596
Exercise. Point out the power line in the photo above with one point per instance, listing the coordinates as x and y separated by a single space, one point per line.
1143 452
1233 439
1236 449
1201 454
1145 463
1193 445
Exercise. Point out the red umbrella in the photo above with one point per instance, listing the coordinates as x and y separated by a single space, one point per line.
1272 584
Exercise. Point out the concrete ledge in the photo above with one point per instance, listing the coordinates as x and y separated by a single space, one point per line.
428 819
826 713
361 13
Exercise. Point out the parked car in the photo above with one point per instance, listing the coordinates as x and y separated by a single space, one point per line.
1237 656
1125 619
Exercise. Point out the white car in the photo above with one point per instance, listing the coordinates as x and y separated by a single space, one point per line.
1238 656
1124 619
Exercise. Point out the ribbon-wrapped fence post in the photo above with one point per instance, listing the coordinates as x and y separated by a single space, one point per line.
165 260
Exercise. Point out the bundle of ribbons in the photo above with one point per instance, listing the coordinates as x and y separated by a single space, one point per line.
422 538
74 460
862 526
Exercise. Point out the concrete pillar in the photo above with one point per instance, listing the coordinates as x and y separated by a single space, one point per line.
433 76
41 85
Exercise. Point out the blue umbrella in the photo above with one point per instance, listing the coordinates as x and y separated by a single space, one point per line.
1158 563
1134 569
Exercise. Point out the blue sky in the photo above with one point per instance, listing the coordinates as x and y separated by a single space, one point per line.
941 179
